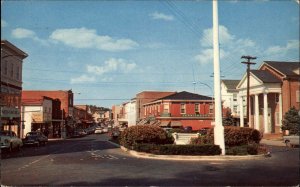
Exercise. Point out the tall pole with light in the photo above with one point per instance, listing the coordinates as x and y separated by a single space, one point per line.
219 129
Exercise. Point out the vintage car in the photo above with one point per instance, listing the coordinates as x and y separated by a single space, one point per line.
291 141
10 141
35 138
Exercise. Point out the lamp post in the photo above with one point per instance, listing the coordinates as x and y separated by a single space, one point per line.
212 92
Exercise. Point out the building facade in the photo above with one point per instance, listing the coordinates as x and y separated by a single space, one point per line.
11 86
180 110
146 97
274 89
37 116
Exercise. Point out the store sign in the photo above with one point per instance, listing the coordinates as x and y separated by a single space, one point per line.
37 117
10 112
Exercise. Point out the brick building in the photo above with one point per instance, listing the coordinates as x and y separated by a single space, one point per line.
65 98
274 89
11 86
146 97
181 109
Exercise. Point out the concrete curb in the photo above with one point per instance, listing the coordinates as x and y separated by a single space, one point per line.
189 158
117 145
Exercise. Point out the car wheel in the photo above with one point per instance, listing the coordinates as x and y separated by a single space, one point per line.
38 144
18 148
10 149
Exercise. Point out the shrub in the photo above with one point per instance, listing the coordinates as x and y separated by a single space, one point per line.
291 121
144 134
169 149
234 136
251 149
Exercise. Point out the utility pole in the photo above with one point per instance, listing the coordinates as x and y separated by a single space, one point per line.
248 83
219 129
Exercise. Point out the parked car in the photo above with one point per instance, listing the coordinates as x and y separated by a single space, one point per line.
203 131
35 138
105 130
188 129
291 141
115 133
10 141
98 130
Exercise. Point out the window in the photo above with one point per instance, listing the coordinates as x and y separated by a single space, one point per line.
18 73
166 107
234 97
197 108
182 108
235 109
298 96
277 121
12 70
5 68
211 108
276 98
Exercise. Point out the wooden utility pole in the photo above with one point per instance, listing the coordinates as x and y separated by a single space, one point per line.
248 83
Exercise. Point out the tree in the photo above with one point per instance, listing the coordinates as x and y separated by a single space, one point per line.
228 120
291 121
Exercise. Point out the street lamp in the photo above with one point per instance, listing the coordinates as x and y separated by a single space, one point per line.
212 92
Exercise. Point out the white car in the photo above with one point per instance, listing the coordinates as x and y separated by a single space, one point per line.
10 141
105 130
291 140
98 131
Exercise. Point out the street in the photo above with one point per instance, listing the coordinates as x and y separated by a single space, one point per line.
93 161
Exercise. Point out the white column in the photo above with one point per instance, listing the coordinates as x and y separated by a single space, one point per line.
250 121
266 113
241 111
280 111
256 112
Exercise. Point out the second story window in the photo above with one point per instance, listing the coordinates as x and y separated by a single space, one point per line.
11 70
197 108
166 107
182 108
276 98
234 97
18 73
211 108
5 68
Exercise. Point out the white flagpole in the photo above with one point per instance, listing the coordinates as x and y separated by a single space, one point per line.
219 129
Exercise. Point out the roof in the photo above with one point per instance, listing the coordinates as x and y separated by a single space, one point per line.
265 76
286 68
20 53
186 96
231 84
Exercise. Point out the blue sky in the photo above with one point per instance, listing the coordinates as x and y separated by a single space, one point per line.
110 50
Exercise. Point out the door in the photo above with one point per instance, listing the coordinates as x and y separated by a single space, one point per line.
270 120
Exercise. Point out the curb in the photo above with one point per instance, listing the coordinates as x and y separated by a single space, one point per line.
117 145
189 158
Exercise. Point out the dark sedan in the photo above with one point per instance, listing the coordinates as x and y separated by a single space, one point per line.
35 138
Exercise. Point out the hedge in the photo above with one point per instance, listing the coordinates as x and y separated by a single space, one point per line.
145 134
234 136
169 149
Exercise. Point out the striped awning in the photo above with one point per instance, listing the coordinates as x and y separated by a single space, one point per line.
164 123
176 124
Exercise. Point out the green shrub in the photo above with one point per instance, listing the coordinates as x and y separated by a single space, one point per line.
291 121
169 149
234 136
144 134
251 149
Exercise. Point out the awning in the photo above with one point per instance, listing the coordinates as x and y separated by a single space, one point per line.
164 124
176 124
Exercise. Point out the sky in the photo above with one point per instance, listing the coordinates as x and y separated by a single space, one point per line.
108 51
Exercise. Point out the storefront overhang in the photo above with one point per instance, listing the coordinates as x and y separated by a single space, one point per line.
164 124
176 124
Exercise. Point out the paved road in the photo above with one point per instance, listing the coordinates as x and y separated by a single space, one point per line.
92 161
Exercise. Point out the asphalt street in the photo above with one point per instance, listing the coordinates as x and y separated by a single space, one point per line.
93 161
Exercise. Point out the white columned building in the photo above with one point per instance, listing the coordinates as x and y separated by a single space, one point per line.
266 89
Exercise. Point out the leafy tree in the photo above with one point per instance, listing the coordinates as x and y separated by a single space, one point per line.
291 121
228 120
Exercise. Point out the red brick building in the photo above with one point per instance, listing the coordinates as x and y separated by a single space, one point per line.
146 97
82 115
274 89
182 109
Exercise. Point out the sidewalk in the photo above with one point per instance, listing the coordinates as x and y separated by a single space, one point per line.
273 142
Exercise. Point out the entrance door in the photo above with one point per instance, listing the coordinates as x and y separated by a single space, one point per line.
269 120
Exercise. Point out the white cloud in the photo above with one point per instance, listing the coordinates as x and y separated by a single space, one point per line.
112 65
88 38
82 79
279 51
3 23
161 16
206 56
224 36
21 33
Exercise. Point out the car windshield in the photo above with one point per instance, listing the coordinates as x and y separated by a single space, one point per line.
32 134
4 133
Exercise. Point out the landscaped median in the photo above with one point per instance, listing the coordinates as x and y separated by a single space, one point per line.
154 143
